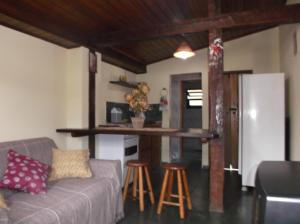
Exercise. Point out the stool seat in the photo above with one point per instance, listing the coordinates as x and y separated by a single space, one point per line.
175 170
174 166
138 168
137 163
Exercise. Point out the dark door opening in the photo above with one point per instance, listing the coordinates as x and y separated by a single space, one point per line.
176 106
231 117
191 112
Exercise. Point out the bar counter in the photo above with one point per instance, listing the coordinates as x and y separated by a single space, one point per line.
172 132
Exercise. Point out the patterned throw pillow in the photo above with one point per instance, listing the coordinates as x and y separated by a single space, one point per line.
2 202
24 174
70 163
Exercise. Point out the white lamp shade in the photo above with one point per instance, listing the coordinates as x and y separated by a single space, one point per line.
183 51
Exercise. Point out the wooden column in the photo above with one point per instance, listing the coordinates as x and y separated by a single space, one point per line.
216 111
92 99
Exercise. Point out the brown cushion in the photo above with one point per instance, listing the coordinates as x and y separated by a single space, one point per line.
2 202
70 163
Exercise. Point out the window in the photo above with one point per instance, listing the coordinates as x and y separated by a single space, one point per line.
194 98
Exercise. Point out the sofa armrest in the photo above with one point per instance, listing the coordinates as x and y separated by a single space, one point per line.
107 168
4 219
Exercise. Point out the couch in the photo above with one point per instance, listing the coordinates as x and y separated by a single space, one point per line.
74 200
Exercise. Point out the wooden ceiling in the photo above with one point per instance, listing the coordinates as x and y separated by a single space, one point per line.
134 33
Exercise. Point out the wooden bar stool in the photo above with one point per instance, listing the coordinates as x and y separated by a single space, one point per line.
166 194
137 167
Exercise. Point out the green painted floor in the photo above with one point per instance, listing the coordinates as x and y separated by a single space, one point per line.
238 205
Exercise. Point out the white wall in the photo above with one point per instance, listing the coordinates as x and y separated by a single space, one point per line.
76 67
106 91
259 52
44 87
76 90
290 65
32 94
158 77
290 2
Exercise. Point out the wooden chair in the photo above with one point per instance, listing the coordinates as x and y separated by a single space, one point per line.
136 167
166 194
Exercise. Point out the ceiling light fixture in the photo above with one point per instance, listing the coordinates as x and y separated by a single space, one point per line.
184 51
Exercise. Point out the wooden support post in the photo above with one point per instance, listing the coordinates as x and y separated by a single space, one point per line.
216 115
92 99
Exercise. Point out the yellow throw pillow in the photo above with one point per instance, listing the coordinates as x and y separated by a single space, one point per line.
70 163
2 202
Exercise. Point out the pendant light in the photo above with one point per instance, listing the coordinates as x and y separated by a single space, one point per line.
184 51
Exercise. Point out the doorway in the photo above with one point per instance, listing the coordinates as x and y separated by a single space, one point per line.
176 115
191 110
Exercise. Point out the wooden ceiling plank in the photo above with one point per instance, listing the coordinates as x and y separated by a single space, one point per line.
271 16
63 21
116 58
30 17
125 53
33 31
37 19
228 36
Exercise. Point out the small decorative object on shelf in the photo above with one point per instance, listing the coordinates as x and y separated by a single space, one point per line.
163 103
138 103
123 78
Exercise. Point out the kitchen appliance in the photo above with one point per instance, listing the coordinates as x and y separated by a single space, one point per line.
118 147
277 195
116 115
261 122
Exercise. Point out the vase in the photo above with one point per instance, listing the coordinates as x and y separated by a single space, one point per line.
138 120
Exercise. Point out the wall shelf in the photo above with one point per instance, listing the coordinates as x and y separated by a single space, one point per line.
124 84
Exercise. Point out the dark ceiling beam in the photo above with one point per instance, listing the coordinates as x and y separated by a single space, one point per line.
117 58
271 16
36 32
108 55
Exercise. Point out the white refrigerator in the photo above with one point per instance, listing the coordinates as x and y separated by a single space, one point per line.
261 122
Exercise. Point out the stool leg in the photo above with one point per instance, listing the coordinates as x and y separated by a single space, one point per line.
180 194
170 185
151 195
141 189
187 191
163 191
135 179
126 183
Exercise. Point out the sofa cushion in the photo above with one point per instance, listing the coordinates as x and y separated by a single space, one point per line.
24 173
73 200
36 148
2 202
70 163
4 219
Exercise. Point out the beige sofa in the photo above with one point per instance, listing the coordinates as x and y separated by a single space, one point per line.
74 200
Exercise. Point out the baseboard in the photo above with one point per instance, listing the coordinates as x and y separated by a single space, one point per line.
205 167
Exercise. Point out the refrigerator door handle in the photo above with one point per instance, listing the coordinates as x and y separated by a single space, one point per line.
233 109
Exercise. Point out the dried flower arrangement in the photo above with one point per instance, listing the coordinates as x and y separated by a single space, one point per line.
138 100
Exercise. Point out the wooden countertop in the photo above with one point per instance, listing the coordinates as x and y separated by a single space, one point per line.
190 133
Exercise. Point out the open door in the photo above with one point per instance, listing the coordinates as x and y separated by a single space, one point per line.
231 120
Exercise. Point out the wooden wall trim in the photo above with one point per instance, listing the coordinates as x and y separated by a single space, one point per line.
92 99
